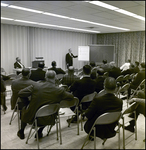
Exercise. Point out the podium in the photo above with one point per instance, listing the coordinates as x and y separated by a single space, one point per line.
37 61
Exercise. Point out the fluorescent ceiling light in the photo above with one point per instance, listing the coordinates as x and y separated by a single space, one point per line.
98 3
64 27
26 9
6 18
125 12
55 15
26 21
139 17
4 5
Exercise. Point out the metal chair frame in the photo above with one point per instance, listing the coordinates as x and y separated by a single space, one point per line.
16 109
130 109
106 118
46 110
86 98
68 104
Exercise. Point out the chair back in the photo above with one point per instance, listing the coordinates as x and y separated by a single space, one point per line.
47 110
119 78
130 109
126 77
89 97
108 118
124 88
67 104
59 76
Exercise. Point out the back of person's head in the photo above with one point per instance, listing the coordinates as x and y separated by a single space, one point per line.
25 71
104 61
41 65
131 66
112 64
100 71
53 63
70 69
87 69
136 63
50 74
143 64
110 84
129 61
92 64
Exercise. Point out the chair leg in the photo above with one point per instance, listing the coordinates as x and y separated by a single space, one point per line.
77 121
57 128
29 134
118 135
87 137
36 133
94 137
12 115
49 130
58 118
123 134
135 125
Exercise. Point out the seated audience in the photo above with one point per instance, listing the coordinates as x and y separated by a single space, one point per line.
114 71
126 65
3 97
138 79
39 73
108 102
57 70
18 65
99 80
19 84
105 66
128 71
83 87
41 93
140 99
136 67
69 78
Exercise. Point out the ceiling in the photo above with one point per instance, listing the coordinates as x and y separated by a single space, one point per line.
80 10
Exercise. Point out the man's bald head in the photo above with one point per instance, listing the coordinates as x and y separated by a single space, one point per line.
50 74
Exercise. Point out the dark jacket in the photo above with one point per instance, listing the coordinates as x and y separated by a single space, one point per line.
42 93
16 86
38 74
106 103
82 87
69 59
57 70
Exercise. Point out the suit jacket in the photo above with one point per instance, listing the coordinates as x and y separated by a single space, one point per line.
57 70
42 93
106 103
82 87
114 72
140 76
17 65
69 59
16 86
38 74
99 83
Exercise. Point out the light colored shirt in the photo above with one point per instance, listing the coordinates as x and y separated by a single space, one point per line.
125 66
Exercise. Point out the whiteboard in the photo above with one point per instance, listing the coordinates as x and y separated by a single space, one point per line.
83 53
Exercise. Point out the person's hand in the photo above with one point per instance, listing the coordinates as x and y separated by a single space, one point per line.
132 100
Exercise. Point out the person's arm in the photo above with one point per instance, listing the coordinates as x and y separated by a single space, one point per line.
91 110
138 100
26 92
73 55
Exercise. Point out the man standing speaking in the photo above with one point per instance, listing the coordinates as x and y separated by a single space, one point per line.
69 58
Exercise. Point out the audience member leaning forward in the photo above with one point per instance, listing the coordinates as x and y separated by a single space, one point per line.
41 93
107 102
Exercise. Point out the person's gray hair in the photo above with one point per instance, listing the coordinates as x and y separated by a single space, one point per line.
110 84
50 74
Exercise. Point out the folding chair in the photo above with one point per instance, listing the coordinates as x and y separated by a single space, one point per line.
45 110
140 87
68 104
130 109
17 110
85 99
104 119
119 80
126 78
124 90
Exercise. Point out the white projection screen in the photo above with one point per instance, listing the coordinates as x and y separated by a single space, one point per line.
83 53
